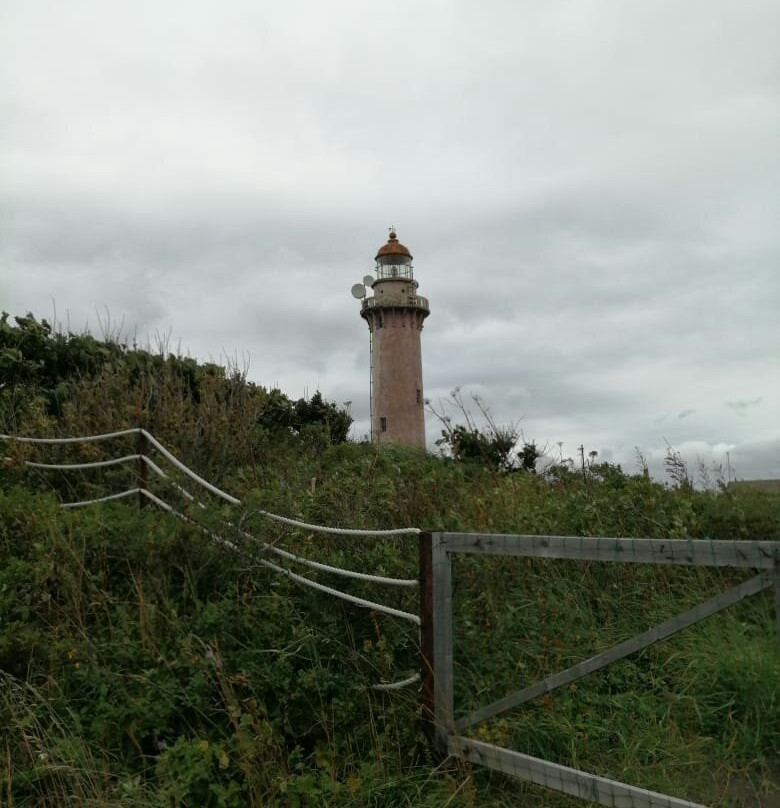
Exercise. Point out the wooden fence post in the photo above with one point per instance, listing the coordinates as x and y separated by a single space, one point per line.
142 448
777 605
443 693
426 634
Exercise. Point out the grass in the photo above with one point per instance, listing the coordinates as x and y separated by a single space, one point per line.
682 717
144 666
151 668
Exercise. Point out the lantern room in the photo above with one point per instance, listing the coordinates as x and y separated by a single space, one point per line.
393 260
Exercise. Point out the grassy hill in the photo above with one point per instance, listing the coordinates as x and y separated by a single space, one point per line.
144 664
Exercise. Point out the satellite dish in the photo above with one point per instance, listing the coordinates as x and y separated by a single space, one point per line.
358 291
368 280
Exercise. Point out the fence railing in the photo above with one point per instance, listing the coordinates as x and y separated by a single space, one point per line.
411 301
438 642
146 443
435 618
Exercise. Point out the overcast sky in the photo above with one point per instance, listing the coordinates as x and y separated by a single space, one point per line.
590 190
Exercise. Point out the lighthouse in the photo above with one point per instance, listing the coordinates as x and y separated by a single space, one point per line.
395 314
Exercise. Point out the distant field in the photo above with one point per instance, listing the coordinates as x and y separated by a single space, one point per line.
759 485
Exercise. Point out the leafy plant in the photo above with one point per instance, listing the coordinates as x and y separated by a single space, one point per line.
146 666
492 445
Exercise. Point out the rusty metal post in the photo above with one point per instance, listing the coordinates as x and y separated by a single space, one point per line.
142 448
426 634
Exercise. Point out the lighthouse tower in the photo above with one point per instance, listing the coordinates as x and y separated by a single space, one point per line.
395 315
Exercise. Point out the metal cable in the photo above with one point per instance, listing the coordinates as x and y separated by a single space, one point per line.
397 685
84 502
341 531
185 470
360 576
86 439
345 573
197 478
368 604
170 509
95 465
305 562
134 431
126 459
379 607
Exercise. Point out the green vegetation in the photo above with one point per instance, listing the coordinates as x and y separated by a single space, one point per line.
489 445
144 665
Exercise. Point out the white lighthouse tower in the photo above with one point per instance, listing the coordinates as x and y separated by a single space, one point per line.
395 315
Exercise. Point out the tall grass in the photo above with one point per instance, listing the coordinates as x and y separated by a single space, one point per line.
144 665
183 675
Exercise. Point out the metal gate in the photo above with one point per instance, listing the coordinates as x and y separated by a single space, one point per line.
437 550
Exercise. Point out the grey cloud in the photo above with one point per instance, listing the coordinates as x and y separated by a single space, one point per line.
594 226
742 405
757 460
745 460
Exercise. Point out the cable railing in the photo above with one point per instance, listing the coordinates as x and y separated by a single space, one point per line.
446 728
361 576
188 472
142 491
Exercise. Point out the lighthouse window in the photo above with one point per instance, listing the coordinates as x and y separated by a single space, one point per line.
419 396
383 424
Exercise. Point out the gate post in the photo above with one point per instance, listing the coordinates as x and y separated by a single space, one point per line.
777 606
443 691
427 673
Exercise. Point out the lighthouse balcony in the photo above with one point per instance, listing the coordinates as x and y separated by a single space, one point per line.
408 301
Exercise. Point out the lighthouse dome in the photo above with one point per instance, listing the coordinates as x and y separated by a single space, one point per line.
395 249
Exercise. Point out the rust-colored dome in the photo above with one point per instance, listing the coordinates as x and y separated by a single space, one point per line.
393 247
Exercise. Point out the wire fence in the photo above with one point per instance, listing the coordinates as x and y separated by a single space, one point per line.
435 617
142 491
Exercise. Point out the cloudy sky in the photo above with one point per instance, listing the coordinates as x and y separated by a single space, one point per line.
590 189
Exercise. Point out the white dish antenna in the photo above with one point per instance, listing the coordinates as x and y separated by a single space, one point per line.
358 291
368 280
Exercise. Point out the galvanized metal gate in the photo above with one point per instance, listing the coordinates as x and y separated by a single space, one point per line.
437 550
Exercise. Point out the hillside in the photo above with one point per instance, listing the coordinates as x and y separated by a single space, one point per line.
146 664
